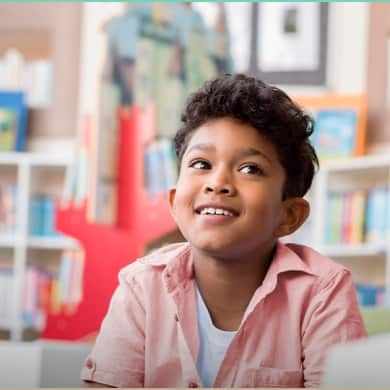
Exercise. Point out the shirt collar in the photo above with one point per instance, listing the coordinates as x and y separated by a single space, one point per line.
289 257
177 261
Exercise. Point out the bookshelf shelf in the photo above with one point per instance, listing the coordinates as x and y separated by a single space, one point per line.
31 158
357 163
11 158
356 250
10 241
59 243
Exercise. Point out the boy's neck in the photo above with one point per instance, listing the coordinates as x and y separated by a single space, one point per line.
228 286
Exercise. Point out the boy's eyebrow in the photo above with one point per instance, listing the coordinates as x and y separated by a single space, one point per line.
204 146
243 152
246 152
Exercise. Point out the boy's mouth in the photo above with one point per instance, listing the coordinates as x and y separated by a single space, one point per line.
216 210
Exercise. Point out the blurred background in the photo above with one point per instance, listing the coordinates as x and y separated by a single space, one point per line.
90 98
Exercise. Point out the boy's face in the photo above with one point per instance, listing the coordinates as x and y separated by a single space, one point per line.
229 168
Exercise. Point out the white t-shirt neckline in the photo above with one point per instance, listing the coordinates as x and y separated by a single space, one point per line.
213 343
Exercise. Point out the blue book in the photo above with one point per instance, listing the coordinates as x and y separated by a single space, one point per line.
334 133
35 216
13 121
48 216
376 214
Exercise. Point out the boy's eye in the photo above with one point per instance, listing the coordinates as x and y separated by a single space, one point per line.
251 170
200 164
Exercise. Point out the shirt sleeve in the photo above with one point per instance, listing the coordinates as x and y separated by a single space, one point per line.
333 318
117 358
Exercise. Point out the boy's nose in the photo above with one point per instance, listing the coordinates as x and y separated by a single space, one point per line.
218 189
220 182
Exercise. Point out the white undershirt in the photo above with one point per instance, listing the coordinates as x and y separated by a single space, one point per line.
213 344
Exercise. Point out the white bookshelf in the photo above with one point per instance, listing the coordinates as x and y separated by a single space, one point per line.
31 172
369 261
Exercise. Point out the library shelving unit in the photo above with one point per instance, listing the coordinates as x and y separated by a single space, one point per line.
140 220
30 174
369 259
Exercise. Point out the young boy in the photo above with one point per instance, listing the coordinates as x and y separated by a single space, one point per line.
232 307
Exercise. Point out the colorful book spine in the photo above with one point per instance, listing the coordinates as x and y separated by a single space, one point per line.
337 219
329 218
376 216
346 217
8 208
358 209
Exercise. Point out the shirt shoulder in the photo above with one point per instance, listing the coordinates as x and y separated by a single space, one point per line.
316 263
155 262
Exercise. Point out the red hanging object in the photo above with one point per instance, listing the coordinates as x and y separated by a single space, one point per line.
107 249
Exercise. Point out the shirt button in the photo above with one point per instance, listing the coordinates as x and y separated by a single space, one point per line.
193 384
89 363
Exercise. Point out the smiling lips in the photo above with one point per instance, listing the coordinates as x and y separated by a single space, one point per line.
216 211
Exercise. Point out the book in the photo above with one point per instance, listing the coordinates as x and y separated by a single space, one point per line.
370 295
358 209
375 227
8 124
8 202
334 222
346 217
13 121
334 133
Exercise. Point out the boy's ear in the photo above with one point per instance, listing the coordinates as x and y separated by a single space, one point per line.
294 214
171 200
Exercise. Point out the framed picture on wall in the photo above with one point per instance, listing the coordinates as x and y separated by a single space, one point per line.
340 124
289 42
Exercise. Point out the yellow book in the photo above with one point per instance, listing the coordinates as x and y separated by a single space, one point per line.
358 208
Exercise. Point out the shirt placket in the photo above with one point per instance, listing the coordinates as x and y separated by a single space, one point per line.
187 329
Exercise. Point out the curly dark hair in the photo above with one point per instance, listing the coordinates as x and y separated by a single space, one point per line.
267 109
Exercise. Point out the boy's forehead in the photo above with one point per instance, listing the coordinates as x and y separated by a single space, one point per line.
226 131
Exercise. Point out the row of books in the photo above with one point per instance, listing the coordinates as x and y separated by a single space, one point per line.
370 295
42 215
8 205
160 167
48 292
34 78
6 294
358 216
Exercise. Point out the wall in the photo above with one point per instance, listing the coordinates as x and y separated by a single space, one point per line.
379 74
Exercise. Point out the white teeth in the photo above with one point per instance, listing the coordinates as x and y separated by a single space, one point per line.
213 211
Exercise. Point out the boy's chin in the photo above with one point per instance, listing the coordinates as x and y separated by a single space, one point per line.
221 250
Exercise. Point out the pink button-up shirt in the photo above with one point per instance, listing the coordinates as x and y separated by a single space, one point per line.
149 336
